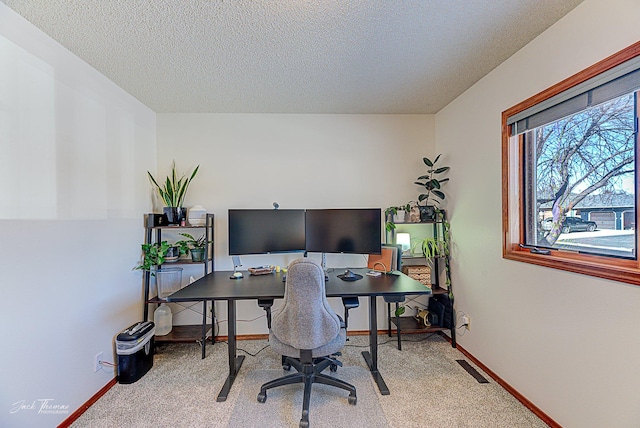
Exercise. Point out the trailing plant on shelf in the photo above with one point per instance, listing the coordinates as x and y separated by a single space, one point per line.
436 247
402 309
446 236
432 183
432 247
154 255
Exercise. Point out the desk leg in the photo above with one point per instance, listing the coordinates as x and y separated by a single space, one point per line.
234 362
371 356
204 328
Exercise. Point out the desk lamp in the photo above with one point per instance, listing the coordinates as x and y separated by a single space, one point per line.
404 239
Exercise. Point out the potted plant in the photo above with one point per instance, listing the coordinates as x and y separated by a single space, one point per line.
195 246
172 192
432 184
431 247
156 254
395 215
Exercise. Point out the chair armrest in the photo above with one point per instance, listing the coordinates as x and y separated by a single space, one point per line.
266 305
397 298
350 302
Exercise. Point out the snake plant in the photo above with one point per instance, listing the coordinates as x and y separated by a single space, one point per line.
174 189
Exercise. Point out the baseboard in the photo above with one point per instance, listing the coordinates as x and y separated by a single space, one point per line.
75 415
521 398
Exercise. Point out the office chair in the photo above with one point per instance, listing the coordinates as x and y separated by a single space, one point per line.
307 332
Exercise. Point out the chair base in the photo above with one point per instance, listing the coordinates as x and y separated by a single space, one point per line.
308 372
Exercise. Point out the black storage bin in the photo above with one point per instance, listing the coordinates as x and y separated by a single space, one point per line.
134 347
440 304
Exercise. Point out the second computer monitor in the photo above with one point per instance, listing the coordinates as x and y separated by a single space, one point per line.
354 231
266 231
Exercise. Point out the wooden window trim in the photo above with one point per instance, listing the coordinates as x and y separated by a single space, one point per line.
622 270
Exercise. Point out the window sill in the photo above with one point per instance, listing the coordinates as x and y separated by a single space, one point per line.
620 270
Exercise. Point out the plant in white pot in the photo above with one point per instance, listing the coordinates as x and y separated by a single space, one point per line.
173 191
395 215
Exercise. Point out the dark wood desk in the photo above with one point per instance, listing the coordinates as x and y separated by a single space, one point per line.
218 286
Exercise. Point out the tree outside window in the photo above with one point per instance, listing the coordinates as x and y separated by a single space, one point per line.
587 156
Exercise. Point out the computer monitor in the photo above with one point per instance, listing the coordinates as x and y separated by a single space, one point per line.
254 231
353 231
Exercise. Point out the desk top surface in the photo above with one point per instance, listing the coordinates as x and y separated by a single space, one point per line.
218 285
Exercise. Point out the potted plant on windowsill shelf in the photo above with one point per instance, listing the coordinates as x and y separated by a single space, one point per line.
194 246
432 184
172 192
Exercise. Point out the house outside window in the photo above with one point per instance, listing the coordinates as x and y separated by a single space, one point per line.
570 156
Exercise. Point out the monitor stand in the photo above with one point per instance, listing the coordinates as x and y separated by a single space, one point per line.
236 265
324 267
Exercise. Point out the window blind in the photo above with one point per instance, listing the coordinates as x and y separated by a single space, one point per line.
615 82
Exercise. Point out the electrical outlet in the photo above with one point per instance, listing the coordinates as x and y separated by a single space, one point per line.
97 363
466 322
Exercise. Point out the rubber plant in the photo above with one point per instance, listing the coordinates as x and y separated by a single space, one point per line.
431 182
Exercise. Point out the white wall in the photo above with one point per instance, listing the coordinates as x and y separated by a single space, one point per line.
567 342
300 161
74 149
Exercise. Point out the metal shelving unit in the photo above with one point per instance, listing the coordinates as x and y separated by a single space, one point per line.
442 292
181 333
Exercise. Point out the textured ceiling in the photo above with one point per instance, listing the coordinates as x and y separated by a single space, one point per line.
294 56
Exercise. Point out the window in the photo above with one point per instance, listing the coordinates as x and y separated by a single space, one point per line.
569 172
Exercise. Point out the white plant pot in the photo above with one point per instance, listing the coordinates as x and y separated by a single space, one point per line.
400 217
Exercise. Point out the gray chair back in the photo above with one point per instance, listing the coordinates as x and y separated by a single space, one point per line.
306 320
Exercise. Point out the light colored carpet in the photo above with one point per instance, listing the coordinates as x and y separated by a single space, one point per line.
329 406
428 389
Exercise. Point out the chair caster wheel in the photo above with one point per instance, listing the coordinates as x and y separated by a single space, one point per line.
353 399
333 368
286 366
262 397
304 424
